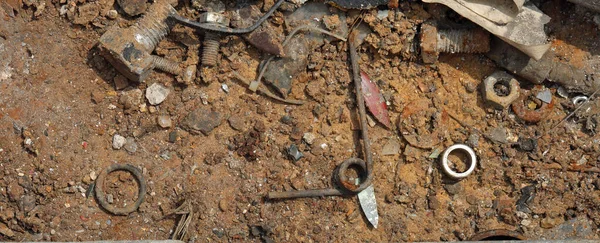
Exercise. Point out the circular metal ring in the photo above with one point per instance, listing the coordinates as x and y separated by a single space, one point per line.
100 195
363 175
578 100
453 174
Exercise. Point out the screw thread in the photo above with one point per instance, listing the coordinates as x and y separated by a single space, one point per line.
463 41
165 65
153 27
210 51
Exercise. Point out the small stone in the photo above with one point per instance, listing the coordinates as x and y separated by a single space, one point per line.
4 230
498 135
286 119
225 88
109 198
131 99
392 147
152 109
548 223
52 231
223 205
164 121
133 7
112 14
97 96
201 120
453 189
236 123
86 179
131 146
526 222
93 175
219 232
402 199
157 93
173 137
118 141
371 121
309 138
120 81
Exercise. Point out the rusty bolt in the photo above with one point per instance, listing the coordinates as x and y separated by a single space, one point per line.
434 41
210 51
129 50
501 101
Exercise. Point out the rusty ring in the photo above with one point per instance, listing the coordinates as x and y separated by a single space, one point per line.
364 175
100 195
531 116
486 235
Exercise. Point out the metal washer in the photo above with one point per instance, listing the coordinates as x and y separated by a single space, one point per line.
453 174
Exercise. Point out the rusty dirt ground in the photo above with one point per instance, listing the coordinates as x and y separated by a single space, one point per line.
60 109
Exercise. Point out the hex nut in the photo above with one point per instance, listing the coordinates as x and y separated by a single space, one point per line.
428 43
489 94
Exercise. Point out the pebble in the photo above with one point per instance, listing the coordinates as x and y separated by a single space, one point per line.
219 232
392 147
109 198
453 189
157 93
173 136
112 14
120 81
131 99
118 141
548 223
525 222
223 205
236 123
131 146
97 96
93 175
225 88
202 120
133 7
309 138
164 121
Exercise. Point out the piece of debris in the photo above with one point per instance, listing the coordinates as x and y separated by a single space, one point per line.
133 7
157 93
201 120
131 99
294 153
131 146
118 141
392 147
545 96
374 100
164 121
309 138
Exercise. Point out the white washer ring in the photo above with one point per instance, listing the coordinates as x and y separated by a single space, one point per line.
453 174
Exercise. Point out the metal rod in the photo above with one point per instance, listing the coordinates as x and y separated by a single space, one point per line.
361 108
305 193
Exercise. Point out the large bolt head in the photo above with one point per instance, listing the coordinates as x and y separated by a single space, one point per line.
428 43
214 18
126 54
490 95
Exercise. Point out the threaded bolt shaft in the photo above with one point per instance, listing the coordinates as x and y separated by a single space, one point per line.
463 41
153 27
210 51
165 65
